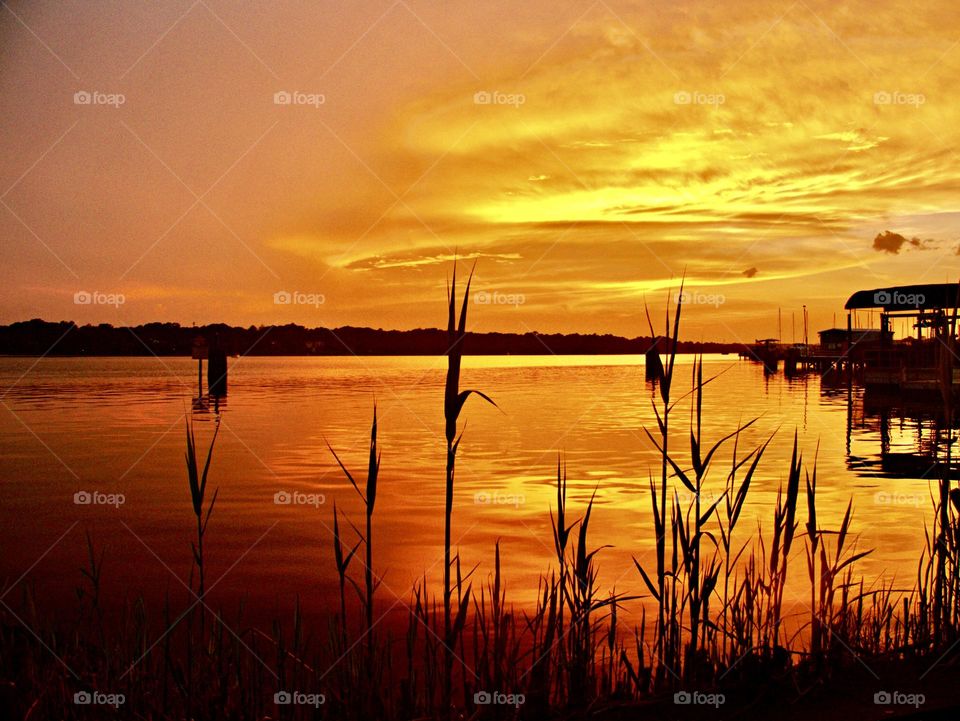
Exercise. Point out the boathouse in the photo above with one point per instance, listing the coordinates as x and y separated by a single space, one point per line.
839 339
927 362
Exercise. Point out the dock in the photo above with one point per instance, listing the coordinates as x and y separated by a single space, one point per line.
925 363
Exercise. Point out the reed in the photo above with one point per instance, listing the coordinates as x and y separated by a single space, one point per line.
343 564
93 573
453 401
197 479
369 498
719 594
663 378
690 581
583 602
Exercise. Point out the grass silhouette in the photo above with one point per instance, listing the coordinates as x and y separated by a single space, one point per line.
719 591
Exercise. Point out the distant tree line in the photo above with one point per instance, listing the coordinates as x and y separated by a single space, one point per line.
66 338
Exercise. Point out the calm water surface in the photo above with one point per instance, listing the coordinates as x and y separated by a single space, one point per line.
116 426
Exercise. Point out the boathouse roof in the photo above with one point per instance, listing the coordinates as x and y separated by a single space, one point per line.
843 331
931 296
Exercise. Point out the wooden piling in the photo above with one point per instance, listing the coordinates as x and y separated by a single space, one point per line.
199 352
654 366
217 370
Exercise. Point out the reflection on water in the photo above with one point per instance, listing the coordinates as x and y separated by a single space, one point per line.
915 439
116 426
894 434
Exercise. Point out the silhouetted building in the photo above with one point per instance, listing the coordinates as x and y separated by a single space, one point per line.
836 338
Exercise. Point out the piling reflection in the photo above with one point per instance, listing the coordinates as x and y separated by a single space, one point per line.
894 435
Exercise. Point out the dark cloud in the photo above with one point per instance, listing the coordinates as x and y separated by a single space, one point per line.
890 242
750 272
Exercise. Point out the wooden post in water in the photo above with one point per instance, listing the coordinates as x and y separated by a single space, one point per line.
217 370
849 341
790 362
654 367
200 351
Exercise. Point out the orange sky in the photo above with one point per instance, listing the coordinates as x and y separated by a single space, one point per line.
761 150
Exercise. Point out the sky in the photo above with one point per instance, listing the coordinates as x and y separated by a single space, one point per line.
324 163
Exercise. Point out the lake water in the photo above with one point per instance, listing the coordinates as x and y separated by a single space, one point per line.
116 426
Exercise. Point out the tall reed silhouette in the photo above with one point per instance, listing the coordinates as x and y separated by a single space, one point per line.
369 499
663 378
342 562
453 400
197 479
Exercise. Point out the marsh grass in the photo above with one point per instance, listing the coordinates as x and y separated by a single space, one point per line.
197 479
715 594
372 671
453 402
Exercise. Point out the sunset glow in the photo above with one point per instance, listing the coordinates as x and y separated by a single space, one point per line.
479 360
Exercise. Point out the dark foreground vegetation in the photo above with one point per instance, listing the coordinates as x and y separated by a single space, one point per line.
718 640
